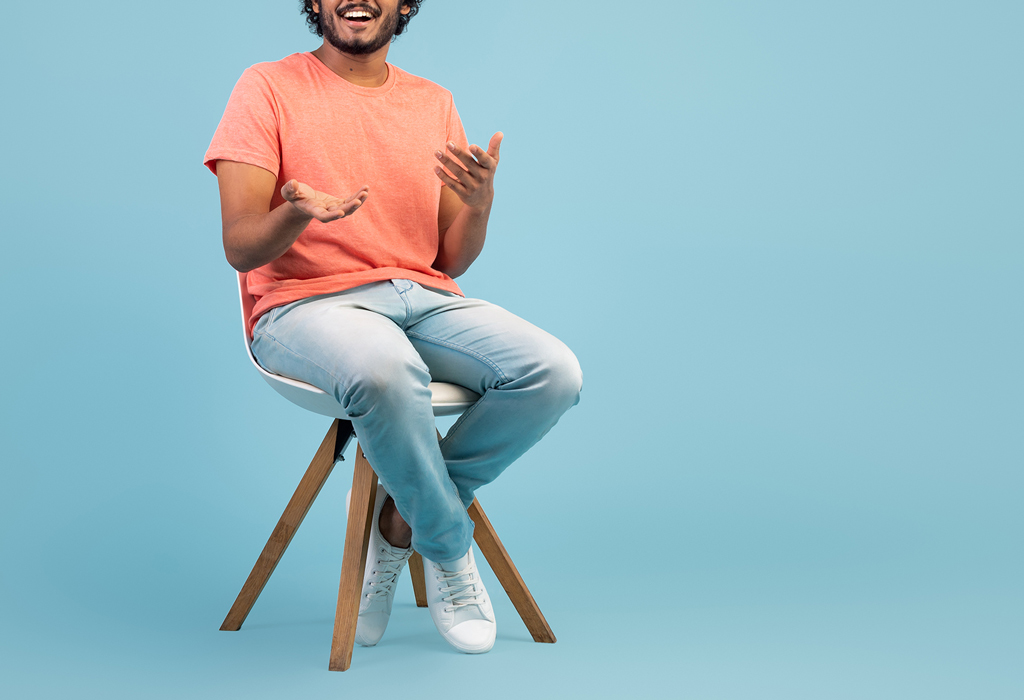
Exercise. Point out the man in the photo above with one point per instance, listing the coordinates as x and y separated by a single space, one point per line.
351 198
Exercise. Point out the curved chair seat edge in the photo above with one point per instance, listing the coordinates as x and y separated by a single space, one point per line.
446 399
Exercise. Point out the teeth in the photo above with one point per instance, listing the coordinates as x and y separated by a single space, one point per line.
358 14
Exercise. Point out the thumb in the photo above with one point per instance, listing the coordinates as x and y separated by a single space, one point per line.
290 191
495 145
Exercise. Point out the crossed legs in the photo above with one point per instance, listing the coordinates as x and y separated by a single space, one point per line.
377 347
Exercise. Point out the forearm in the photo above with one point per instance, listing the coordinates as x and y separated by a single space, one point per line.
257 239
461 244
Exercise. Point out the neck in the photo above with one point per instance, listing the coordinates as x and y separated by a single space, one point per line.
369 70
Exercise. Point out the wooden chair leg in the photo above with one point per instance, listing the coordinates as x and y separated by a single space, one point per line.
501 563
419 588
357 536
312 481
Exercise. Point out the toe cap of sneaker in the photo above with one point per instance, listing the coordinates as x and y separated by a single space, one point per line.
472 636
370 628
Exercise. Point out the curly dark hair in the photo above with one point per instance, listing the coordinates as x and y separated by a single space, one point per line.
313 17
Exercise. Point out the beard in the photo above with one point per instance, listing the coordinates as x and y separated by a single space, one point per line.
388 25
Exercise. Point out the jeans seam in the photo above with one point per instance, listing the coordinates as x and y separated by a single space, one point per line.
454 346
408 309
462 419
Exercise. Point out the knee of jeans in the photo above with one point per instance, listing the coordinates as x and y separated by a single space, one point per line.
388 380
563 378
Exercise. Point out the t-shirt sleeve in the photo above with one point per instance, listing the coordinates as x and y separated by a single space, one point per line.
455 133
248 131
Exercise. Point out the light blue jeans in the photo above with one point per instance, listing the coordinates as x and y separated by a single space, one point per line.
375 348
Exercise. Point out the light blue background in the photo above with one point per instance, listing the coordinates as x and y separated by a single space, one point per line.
784 239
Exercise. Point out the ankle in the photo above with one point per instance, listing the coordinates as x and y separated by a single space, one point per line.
393 527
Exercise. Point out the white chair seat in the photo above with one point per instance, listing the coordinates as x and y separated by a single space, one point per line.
447 399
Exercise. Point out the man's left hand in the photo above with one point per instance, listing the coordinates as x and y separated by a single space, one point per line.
473 172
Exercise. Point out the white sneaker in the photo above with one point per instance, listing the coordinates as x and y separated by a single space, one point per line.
459 604
384 563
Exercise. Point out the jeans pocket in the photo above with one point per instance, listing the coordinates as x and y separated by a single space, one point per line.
262 326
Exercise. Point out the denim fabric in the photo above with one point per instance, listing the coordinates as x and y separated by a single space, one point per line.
375 348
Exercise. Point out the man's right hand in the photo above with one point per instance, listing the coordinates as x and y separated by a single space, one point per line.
255 234
320 205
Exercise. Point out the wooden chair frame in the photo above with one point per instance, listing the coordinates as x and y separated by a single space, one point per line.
357 535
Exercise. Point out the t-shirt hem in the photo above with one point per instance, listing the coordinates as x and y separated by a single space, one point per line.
247 157
295 290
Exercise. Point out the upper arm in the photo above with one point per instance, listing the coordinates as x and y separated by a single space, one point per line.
244 190
245 150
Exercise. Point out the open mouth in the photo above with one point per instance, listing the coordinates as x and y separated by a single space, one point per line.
358 18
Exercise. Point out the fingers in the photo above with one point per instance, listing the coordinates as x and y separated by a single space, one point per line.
488 159
338 209
363 192
487 162
474 163
350 205
320 205
326 208
466 159
458 166
456 186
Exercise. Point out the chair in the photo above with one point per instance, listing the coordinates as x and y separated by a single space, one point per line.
447 399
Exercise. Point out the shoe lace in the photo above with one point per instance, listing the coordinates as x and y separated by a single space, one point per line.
385 572
459 588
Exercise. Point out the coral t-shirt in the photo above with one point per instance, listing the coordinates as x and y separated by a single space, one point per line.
298 119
